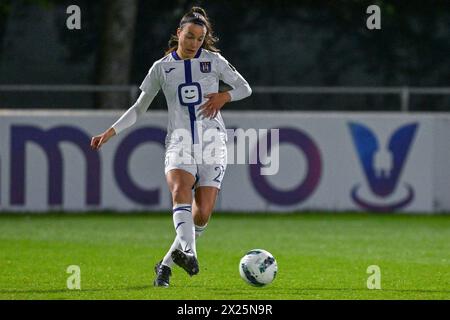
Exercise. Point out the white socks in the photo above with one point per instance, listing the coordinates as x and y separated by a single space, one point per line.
184 227
167 261
199 230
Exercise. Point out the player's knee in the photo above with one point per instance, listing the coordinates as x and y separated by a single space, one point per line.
181 194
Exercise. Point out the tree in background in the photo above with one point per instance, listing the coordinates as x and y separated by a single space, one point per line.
115 51
5 7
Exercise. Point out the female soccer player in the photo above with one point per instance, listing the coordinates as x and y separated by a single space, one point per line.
189 77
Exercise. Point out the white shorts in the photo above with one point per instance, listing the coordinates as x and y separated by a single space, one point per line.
206 162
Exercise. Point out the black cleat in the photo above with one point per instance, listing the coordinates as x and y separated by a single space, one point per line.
186 261
163 274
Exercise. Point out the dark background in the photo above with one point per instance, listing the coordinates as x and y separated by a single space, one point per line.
271 43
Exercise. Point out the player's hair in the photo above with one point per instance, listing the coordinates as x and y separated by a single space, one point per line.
197 16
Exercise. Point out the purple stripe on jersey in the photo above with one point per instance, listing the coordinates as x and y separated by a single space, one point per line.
192 117
199 52
187 71
175 55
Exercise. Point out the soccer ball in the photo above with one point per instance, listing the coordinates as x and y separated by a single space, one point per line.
258 267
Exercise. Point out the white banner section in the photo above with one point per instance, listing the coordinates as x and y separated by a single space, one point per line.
381 162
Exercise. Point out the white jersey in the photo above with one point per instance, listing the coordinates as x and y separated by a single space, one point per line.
185 84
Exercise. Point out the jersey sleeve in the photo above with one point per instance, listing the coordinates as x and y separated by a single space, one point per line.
133 113
151 84
150 87
229 75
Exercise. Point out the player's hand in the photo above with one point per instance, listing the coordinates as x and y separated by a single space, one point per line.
215 102
98 141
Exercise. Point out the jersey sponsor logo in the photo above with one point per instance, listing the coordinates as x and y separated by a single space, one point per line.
170 70
205 66
189 94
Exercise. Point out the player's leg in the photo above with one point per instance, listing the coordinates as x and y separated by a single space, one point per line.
208 184
202 207
168 261
210 176
208 187
180 184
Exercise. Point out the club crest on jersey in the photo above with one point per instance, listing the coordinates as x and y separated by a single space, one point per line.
205 66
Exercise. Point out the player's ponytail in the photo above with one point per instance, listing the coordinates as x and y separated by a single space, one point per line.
197 16
200 11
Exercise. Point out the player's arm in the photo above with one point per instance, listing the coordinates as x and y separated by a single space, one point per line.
229 75
125 121
150 88
241 89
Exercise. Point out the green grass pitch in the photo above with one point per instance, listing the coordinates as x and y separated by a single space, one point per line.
320 256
